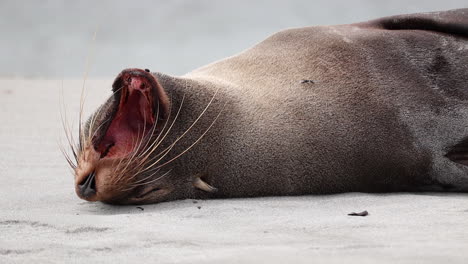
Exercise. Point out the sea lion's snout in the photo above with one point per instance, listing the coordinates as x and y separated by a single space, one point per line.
87 188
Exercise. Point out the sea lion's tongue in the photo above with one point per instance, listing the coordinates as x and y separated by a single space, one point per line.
131 123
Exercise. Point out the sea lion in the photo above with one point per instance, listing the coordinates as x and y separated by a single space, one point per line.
378 106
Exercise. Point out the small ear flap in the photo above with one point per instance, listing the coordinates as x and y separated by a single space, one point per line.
202 185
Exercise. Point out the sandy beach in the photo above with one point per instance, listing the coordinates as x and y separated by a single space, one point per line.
44 50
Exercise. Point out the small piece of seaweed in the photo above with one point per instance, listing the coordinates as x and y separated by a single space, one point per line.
363 213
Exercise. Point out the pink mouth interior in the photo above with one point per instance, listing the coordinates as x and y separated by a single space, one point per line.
132 122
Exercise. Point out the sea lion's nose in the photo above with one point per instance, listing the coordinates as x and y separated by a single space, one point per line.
88 187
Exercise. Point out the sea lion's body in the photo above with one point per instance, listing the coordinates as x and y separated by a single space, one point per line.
369 107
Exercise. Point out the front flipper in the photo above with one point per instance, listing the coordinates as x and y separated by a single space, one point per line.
202 185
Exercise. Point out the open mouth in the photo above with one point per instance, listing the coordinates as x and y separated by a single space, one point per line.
133 120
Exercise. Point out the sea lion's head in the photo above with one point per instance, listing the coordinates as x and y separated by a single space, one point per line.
119 151
117 140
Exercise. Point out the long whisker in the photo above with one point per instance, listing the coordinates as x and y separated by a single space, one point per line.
68 137
135 151
66 128
140 165
140 141
153 180
194 143
188 129
92 122
149 182
128 161
146 148
169 129
83 95
145 155
163 152
98 128
113 94
67 157
153 146
144 179
154 170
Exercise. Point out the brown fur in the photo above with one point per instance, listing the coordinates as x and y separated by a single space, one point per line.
387 101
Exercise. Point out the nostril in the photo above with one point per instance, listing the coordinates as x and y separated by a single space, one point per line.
88 187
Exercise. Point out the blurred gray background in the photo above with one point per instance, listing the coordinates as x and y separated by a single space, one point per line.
51 39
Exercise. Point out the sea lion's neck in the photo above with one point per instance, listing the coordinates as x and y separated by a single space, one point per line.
195 105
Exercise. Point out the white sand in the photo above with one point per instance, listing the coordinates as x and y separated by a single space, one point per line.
42 221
